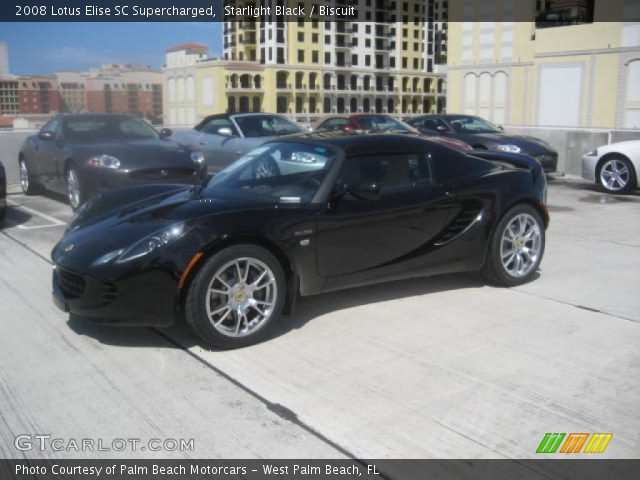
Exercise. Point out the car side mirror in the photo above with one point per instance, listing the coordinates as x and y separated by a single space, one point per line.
225 132
166 133
501 128
45 135
441 129
365 191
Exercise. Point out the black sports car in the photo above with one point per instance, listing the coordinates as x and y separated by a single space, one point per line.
3 192
483 135
299 216
80 155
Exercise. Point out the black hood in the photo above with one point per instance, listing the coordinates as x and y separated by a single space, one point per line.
140 153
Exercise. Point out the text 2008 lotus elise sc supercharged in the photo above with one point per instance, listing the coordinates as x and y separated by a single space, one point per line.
299 216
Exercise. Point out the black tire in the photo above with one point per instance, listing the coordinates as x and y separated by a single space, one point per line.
632 179
30 188
196 315
82 195
3 198
493 269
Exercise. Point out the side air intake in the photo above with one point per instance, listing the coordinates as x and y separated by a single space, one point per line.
469 214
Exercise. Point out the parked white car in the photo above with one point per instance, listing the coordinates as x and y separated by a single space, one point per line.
614 167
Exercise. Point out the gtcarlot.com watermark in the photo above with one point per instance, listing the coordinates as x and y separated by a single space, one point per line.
47 442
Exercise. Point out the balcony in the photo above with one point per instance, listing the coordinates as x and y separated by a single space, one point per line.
242 87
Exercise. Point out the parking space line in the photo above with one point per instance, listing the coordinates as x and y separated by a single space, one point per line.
54 221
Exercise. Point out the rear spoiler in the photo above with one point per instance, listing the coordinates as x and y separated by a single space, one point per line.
516 159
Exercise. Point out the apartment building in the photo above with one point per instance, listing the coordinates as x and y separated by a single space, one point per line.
381 60
571 67
29 94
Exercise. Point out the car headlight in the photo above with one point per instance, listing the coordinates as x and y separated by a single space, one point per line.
509 148
104 161
153 242
197 157
593 153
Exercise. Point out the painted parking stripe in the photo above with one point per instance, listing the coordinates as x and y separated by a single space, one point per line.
54 222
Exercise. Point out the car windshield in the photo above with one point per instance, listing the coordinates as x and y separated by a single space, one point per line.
267 125
281 173
383 123
469 124
106 127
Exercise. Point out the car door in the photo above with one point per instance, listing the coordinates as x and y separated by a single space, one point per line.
218 141
369 238
47 151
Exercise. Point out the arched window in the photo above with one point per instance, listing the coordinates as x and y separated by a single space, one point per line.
281 104
326 105
353 107
172 89
180 89
245 81
470 82
340 105
281 79
257 81
326 84
312 104
256 104
366 105
354 82
390 106
378 105
231 104
299 104
191 89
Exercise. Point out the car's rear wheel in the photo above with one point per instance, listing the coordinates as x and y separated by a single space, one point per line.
616 175
516 247
237 296
26 178
75 191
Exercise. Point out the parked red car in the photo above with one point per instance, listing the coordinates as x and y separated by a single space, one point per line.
380 122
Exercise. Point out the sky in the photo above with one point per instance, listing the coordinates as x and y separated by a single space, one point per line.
42 48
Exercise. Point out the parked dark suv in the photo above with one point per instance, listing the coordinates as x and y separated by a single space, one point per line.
483 135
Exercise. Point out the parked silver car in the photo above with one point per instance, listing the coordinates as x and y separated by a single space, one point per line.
226 137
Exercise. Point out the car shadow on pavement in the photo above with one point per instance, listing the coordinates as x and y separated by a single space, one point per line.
14 217
310 308
120 336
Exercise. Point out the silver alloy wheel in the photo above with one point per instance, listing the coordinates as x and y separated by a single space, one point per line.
241 297
614 175
24 176
73 189
520 245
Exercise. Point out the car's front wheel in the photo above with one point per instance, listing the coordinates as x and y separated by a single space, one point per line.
516 247
616 175
75 191
237 296
26 178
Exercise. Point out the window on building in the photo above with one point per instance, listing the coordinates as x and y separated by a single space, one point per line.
354 59
367 60
327 58
301 36
301 56
314 56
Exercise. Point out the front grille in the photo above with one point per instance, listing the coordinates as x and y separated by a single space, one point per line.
162 174
108 292
71 284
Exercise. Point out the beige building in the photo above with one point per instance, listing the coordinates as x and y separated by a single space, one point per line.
380 63
583 73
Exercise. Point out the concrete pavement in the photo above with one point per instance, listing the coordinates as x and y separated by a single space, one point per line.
445 367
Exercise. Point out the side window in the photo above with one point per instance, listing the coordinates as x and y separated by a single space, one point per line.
393 172
334 124
430 124
52 125
213 125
